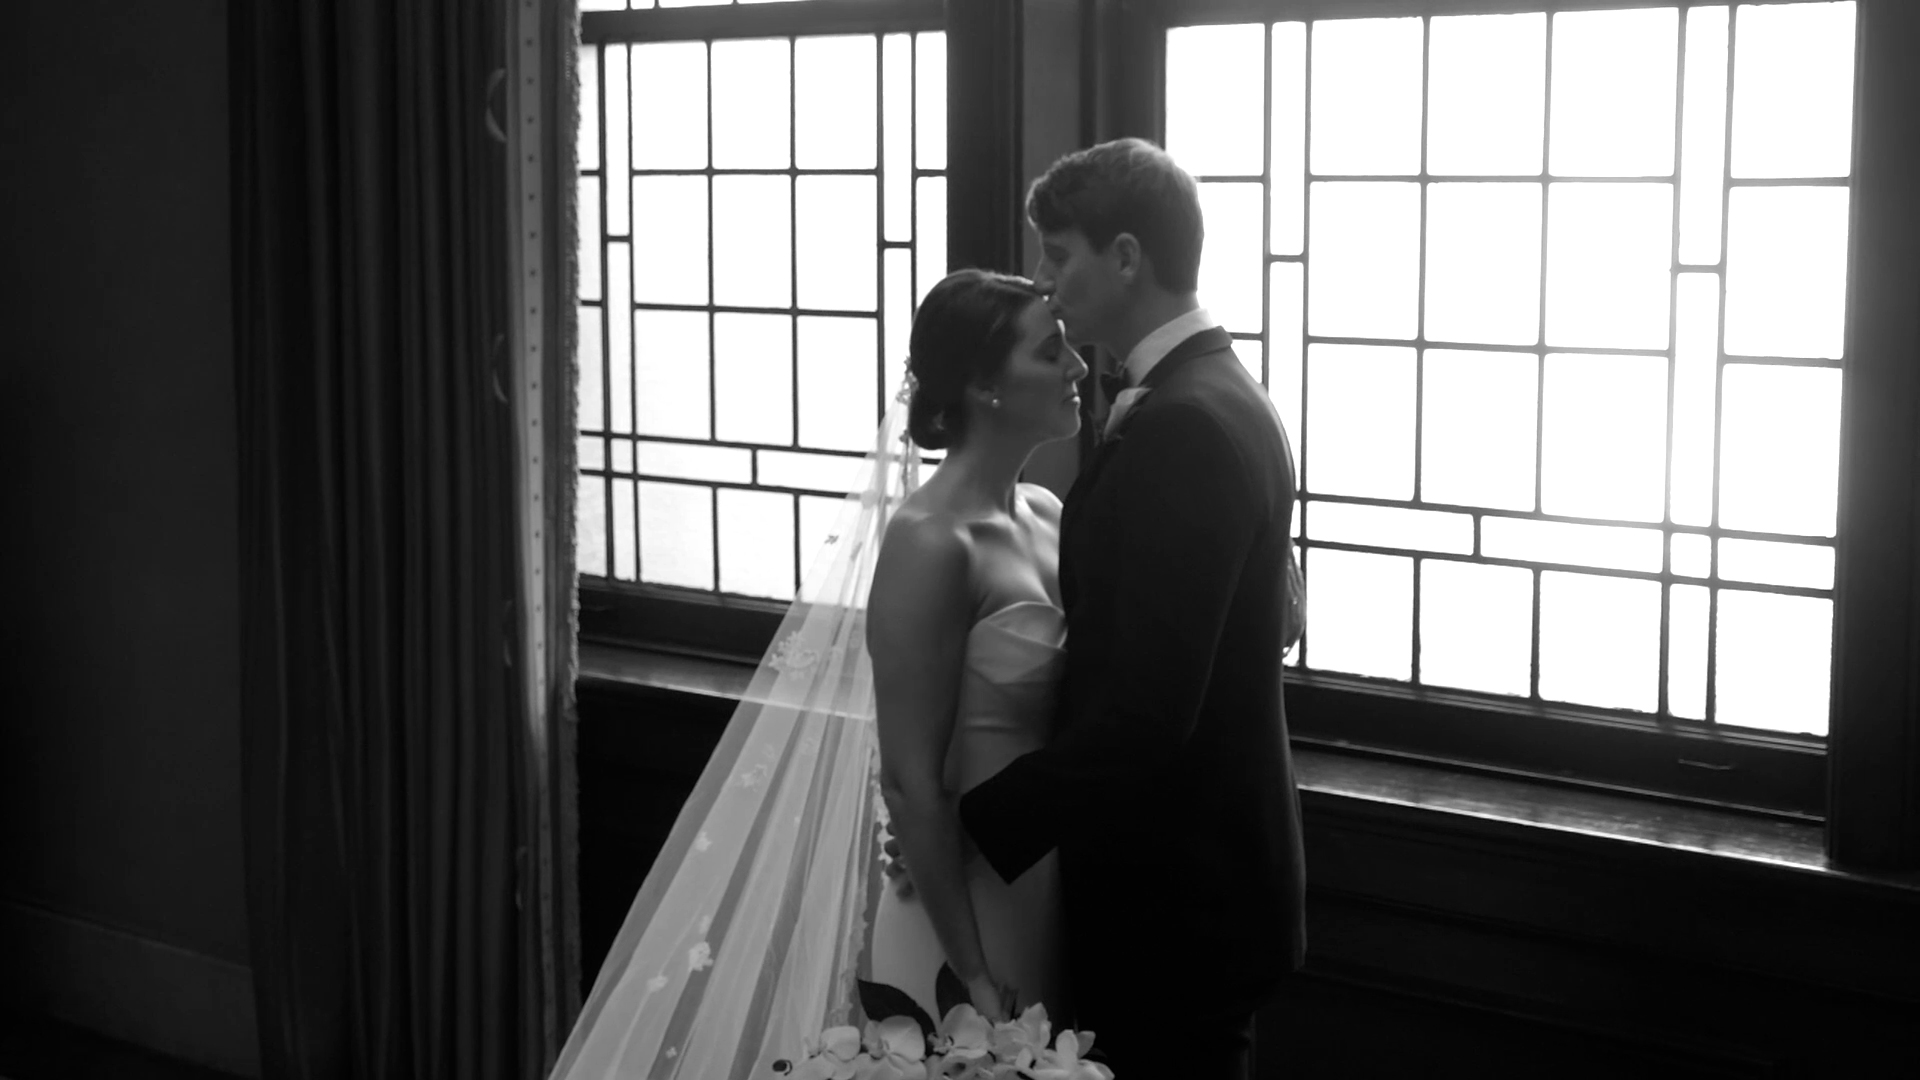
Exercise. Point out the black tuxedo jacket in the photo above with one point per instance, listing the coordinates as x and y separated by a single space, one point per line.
1168 786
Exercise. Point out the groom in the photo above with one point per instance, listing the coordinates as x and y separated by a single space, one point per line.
1168 787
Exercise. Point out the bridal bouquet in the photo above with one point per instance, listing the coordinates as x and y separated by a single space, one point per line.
900 1042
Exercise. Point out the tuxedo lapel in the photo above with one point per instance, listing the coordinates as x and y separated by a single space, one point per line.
1211 340
1206 341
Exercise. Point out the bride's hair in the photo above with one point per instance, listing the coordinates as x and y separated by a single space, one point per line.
962 336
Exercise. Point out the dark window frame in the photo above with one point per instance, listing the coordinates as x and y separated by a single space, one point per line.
1863 780
697 622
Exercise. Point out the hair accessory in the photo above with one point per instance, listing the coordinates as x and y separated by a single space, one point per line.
909 385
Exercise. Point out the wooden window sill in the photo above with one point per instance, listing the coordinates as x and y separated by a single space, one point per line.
1414 793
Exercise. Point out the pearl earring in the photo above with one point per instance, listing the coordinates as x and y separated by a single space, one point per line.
996 401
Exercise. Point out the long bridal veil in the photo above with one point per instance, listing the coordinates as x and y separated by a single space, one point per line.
745 938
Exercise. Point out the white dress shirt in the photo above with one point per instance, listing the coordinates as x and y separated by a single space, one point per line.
1155 346
1149 352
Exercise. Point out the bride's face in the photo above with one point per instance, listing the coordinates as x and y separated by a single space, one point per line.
1039 387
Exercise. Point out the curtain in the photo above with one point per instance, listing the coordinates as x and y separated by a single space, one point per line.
402 737
541 84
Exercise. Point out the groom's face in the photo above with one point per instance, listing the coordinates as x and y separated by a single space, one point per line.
1083 287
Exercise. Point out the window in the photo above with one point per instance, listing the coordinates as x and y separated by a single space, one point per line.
1553 304
1562 302
760 207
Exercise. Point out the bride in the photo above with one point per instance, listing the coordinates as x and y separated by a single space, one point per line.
966 631
920 657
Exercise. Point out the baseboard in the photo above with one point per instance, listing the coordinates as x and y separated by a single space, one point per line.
167 999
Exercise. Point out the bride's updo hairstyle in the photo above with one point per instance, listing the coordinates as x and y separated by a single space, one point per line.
962 336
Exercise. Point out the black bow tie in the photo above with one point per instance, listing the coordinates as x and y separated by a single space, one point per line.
1111 383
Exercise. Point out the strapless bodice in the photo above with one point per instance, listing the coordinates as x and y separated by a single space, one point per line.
1007 690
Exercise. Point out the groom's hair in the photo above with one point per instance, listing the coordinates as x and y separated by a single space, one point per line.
1126 186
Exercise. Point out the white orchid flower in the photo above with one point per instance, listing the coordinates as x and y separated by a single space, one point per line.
897 1049
965 1035
838 1058
1032 1032
1063 1062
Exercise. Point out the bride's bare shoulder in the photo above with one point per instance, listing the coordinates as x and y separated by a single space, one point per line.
922 584
1042 501
924 540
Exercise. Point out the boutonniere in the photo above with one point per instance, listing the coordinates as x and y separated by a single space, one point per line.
1123 403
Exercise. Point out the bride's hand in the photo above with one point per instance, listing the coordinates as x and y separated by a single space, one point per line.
894 865
992 999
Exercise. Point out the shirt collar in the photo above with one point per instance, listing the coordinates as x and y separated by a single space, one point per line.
1155 346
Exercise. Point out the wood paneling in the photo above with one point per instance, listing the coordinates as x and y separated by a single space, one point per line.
1450 935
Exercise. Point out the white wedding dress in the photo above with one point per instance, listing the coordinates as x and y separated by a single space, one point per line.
1005 709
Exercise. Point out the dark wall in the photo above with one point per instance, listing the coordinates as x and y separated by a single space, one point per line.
120 751
1444 945
640 754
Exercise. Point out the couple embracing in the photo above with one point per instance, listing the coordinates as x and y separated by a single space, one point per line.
1076 709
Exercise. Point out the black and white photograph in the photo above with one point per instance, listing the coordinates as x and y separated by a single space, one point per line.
960 539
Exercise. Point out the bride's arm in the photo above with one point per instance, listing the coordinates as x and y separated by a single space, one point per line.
919 614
